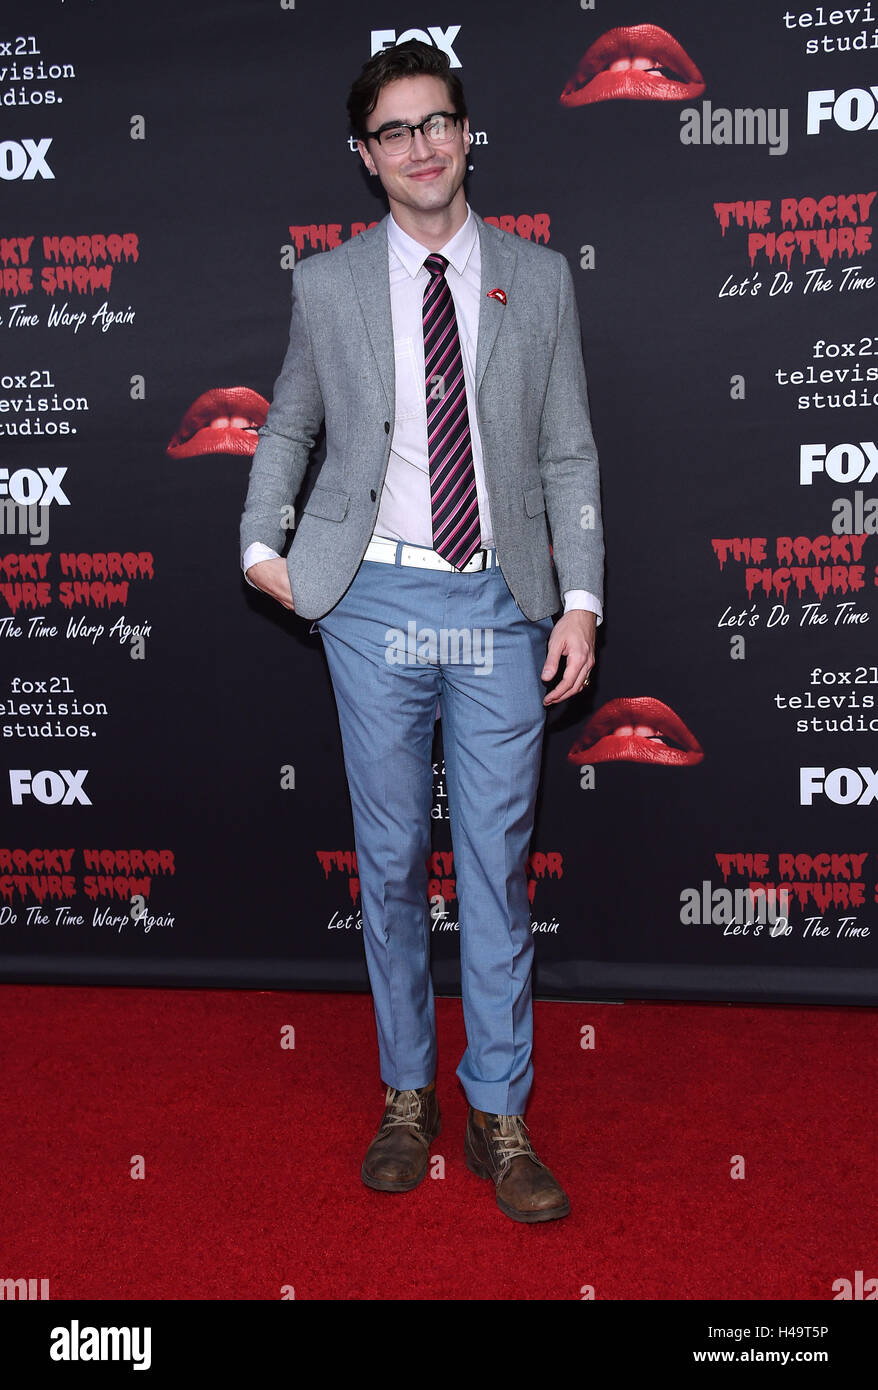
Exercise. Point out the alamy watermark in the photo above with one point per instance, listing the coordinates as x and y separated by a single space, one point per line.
24 520
450 646
741 908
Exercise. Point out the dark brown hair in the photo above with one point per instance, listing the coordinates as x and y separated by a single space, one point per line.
410 59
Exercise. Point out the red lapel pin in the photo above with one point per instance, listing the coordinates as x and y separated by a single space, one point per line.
497 294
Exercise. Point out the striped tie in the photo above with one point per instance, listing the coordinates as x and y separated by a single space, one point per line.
456 534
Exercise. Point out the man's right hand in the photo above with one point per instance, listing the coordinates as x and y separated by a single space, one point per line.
272 577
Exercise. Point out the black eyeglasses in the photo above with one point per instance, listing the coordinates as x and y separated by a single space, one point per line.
396 137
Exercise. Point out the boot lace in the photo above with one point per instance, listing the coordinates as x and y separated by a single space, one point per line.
403 1107
511 1140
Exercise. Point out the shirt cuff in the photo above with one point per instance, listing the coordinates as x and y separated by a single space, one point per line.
581 598
253 554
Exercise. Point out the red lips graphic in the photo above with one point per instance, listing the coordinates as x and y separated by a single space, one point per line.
222 421
638 730
642 63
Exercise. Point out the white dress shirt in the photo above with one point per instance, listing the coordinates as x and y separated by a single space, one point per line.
405 510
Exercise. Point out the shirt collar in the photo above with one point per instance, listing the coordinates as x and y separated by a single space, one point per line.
412 254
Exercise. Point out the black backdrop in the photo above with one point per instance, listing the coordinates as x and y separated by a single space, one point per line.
210 139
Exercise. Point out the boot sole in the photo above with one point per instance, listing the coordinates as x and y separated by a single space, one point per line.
385 1185
529 1218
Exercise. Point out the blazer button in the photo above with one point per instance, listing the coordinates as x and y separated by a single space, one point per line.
387 427
372 494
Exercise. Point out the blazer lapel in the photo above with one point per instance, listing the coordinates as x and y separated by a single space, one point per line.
370 274
498 264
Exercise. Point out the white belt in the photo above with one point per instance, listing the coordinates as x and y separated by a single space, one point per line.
383 549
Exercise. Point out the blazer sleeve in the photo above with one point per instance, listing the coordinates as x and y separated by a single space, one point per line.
568 457
287 437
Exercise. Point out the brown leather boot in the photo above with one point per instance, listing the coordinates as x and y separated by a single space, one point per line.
502 1151
397 1158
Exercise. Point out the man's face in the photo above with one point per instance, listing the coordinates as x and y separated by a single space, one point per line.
427 177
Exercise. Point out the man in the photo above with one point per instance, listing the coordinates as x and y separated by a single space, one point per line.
445 358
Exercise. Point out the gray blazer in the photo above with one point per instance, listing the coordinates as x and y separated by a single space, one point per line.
532 410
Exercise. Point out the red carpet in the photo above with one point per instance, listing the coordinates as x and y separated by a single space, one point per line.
252 1152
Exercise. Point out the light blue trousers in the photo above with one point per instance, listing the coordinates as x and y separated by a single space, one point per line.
400 638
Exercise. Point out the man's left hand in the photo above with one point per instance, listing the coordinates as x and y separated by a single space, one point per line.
572 636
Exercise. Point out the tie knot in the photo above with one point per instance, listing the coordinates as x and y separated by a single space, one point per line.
436 264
